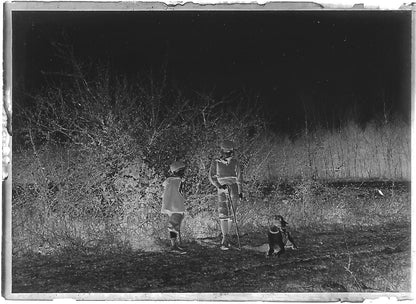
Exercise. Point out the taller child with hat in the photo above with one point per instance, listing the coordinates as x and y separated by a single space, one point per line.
225 175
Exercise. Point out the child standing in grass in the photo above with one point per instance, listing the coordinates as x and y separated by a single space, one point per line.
173 204
225 175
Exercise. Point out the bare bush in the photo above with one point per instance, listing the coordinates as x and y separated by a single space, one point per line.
95 158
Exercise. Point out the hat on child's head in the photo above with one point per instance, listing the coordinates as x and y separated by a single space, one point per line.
176 166
227 145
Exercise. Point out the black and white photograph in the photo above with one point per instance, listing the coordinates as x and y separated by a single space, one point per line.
206 152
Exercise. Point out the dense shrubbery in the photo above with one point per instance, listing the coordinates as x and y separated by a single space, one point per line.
95 160
90 158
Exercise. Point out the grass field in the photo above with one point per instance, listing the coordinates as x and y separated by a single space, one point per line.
353 257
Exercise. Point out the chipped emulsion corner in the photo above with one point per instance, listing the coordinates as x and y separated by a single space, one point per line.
6 129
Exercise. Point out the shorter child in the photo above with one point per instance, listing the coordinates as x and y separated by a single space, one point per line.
173 204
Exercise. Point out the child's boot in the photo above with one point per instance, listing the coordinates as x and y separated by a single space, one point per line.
175 248
225 243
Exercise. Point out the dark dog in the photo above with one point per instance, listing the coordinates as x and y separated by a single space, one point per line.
279 237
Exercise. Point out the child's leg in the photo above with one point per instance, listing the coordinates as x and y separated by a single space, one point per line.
272 242
173 232
180 219
224 229
173 235
224 215
175 220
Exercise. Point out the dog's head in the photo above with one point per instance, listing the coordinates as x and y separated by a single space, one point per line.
278 224
279 221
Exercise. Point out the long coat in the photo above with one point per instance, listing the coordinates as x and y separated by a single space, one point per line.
172 199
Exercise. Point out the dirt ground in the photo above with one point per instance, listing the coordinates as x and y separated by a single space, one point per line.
366 259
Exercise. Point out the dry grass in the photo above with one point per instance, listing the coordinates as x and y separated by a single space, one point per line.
379 151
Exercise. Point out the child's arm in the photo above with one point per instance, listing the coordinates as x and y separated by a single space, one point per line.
164 184
213 175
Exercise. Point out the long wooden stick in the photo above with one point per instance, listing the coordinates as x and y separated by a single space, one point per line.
235 217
